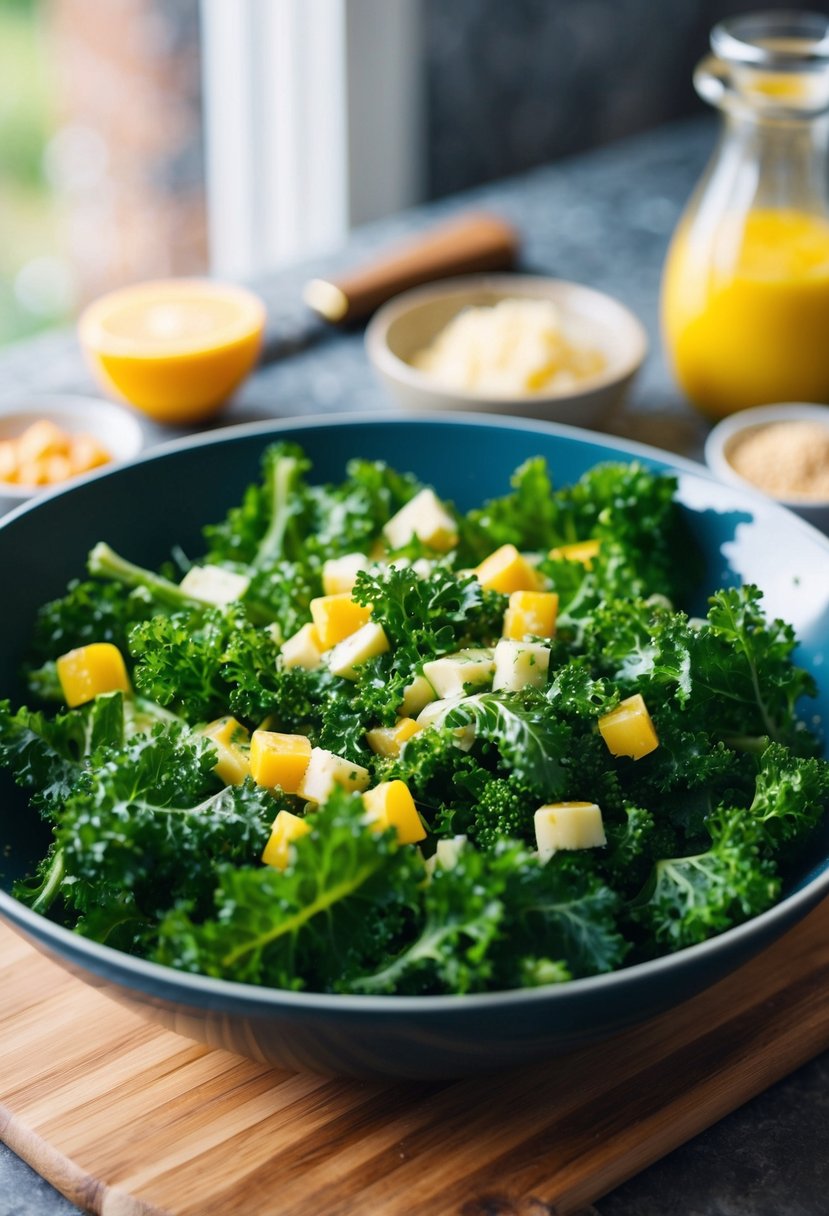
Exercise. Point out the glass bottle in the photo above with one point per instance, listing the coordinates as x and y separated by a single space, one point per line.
745 292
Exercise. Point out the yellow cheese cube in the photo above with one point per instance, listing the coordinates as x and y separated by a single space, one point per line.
531 614
286 829
506 570
279 759
337 616
425 517
389 740
568 825
628 730
231 741
390 805
303 648
582 551
416 696
366 643
91 670
325 770
339 574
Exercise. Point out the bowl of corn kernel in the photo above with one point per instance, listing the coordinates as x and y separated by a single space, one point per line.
48 441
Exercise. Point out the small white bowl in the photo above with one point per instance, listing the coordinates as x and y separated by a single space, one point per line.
409 322
721 441
116 430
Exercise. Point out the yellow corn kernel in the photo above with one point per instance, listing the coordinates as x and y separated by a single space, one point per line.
279 759
286 829
582 551
531 614
87 672
336 617
389 740
231 741
628 730
506 570
390 805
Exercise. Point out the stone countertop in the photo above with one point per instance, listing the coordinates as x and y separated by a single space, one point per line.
603 218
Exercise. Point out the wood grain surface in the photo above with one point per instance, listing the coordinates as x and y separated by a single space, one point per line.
127 1119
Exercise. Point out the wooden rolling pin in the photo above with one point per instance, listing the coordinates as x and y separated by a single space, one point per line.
472 243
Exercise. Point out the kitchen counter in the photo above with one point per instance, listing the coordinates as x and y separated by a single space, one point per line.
603 218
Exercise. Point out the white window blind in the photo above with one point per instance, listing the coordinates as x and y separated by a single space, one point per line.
312 120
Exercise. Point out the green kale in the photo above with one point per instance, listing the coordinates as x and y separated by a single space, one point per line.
91 611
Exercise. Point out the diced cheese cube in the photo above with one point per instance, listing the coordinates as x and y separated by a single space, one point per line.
231 740
336 617
279 760
446 854
531 614
286 829
303 649
416 696
425 517
507 570
91 670
582 551
568 825
366 643
325 770
434 714
390 805
214 585
389 740
455 674
519 665
339 574
628 730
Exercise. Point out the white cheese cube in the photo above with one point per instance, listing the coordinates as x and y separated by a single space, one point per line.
434 714
303 649
454 674
425 517
568 825
519 664
416 696
368 641
446 854
339 574
325 770
214 585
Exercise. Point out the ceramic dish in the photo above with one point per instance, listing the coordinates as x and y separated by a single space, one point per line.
410 321
117 430
722 440
183 485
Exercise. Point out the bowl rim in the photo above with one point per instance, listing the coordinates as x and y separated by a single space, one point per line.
725 432
163 981
68 405
384 358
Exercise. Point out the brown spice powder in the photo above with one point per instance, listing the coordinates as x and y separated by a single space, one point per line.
787 459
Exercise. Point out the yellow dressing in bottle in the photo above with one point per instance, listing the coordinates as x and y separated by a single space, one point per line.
756 330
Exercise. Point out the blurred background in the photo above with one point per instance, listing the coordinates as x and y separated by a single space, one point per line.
147 138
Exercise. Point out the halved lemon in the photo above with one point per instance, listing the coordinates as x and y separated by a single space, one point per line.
174 348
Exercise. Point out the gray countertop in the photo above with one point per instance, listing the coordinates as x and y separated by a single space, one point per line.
604 219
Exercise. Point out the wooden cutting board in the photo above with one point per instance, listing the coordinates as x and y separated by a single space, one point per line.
127 1119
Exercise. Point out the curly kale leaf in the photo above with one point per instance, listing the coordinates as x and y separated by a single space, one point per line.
341 905
791 795
46 755
526 518
180 660
520 726
89 612
689 899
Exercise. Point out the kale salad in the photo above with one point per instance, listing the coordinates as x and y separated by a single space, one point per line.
367 743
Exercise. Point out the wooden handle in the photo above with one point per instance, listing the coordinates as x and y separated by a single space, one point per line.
473 243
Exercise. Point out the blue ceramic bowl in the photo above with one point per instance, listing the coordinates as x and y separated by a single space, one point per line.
145 507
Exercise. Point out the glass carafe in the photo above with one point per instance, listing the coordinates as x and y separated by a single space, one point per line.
745 293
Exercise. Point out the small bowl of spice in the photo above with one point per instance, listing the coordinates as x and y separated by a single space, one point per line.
781 450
